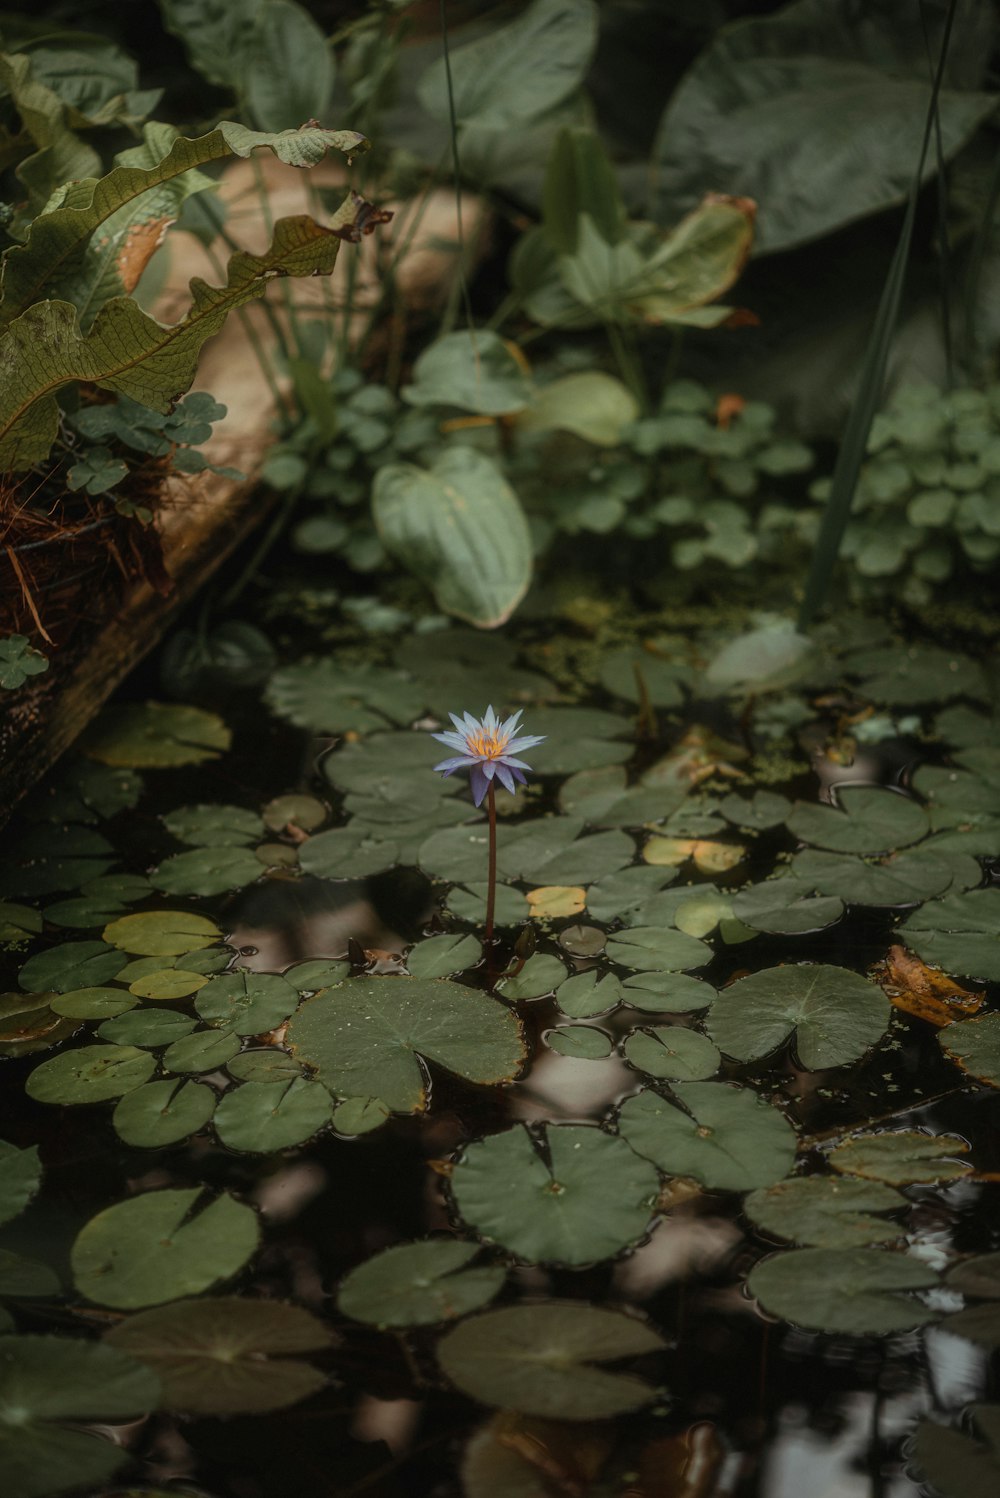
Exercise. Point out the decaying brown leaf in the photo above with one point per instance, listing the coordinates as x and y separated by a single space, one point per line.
923 991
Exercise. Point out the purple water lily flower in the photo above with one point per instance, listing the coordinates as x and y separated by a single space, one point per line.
487 749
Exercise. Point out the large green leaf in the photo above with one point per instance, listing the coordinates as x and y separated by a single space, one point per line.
140 196
213 32
474 370
226 1355
48 1379
460 527
725 1137
814 111
419 1284
834 1013
365 1036
150 1248
975 1045
20 1177
538 1358
586 1199
519 72
960 933
869 820
825 1211
857 1291
127 351
286 67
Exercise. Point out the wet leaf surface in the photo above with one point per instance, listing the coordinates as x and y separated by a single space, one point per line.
857 1291
725 1137
419 1284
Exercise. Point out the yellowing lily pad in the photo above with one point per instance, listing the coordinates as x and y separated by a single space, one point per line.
153 735
553 900
709 857
161 933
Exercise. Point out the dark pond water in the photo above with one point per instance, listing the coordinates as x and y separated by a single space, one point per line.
710 1375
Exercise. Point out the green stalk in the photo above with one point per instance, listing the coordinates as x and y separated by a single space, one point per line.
491 887
869 394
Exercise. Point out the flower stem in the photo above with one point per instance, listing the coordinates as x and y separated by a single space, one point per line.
491 888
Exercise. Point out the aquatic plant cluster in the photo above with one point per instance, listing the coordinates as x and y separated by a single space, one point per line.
676 900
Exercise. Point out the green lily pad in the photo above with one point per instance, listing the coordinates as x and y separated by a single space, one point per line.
246 1003
584 1042
90 1074
394 764
726 1137
84 913
469 904
26 1279
20 1178
667 993
657 949
48 1379
785 906
214 826
902 1157
870 820
904 879
897 677
637 676
75 964
542 974
978 1277
764 659
975 1045
147 1027
155 735
261 1117
825 1211
585 1199
206 871
618 896
93 1003
960 933
579 738
538 1359
226 1355
834 1014
45 876
765 809
440 956
365 1037
126 888
201 1051
166 984
856 1292
320 972
268 1064
586 994
673 1052
162 1113
156 1247
329 697
419 1284
355 1116
348 853
959 1465
604 799
161 933
296 810
18 922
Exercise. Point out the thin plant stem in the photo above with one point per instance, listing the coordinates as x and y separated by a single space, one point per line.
491 885
627 363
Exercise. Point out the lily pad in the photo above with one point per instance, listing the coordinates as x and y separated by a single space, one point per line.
329 697
570 1195
672 1052
48 1379
160 1246
246 1003
26 1279
349 852
469 904
917 674
726 1137
785 906
856 1292
147 1027
359 1115
584 1042
825 1211
268 1064
542 974
586 994
155 735
75 964
20 1178
226 1355
161 933
657 949
84 913
320 972
214 826
555 901
638 676
365 1037
902 1157
763 659
579 738
667 993
604 799
18 922
834 1014
538 1358
959 1465
296 810
869 820
975 1045
960 933
419 1284
618 896
261 1117
765 809
206 871
906 878
167 984
201 1051
93 1003
90 1074
440 956
162 1113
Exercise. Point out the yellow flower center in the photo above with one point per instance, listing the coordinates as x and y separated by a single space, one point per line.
490 744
